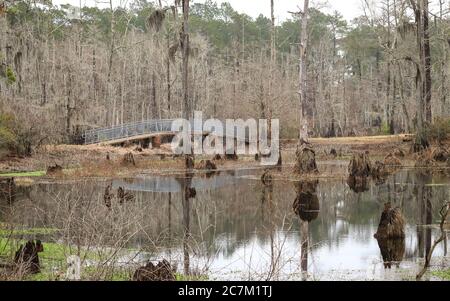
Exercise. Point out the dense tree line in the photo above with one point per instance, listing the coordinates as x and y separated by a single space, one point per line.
65 69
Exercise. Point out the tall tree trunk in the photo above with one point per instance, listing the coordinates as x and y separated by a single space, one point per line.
154 103
303 71
444 93
421 137
409 127
272 66
111 60
389 89
187 109
169 84
427 62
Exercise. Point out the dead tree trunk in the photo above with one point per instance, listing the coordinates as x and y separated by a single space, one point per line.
427 62
444 213
169 84
187 109
154 104
111 60
420 9
272 65
359 169
305 161
302 69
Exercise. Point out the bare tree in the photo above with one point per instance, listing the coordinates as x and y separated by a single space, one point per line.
444 213
420 8
303 71
187 109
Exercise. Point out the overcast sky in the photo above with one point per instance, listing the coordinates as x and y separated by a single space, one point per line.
348 8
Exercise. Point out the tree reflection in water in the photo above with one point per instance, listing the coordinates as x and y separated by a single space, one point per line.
392 251
269 220
358 184
307 208
189 193
424 194
220 229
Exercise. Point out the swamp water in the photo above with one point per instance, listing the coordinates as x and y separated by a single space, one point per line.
235 228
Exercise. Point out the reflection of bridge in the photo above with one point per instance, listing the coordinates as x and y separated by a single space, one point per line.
172 184
136 131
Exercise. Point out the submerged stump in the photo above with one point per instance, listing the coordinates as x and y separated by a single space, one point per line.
189 162
128 159
333 153
440 154
360 166
392 224
361 169
163 271
190 192
379 170
156 142
267 178
392 160
207 165
305 161
358 184
425 159
54 170
232 156
124 196
306 205
392 251
399 153
27 257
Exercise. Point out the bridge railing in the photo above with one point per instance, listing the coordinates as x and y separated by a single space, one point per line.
127 130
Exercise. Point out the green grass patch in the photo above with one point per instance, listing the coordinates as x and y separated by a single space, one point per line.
52 251
50 272
54 257
445 274
181 277
23 174
5 247
33 231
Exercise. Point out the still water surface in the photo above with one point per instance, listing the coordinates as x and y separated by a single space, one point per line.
235 228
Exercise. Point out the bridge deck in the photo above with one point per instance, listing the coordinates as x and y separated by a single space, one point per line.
135 138
132 132
127 132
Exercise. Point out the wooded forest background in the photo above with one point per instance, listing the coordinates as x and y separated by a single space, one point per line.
63 70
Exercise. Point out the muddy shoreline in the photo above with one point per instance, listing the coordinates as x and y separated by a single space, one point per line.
98 161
